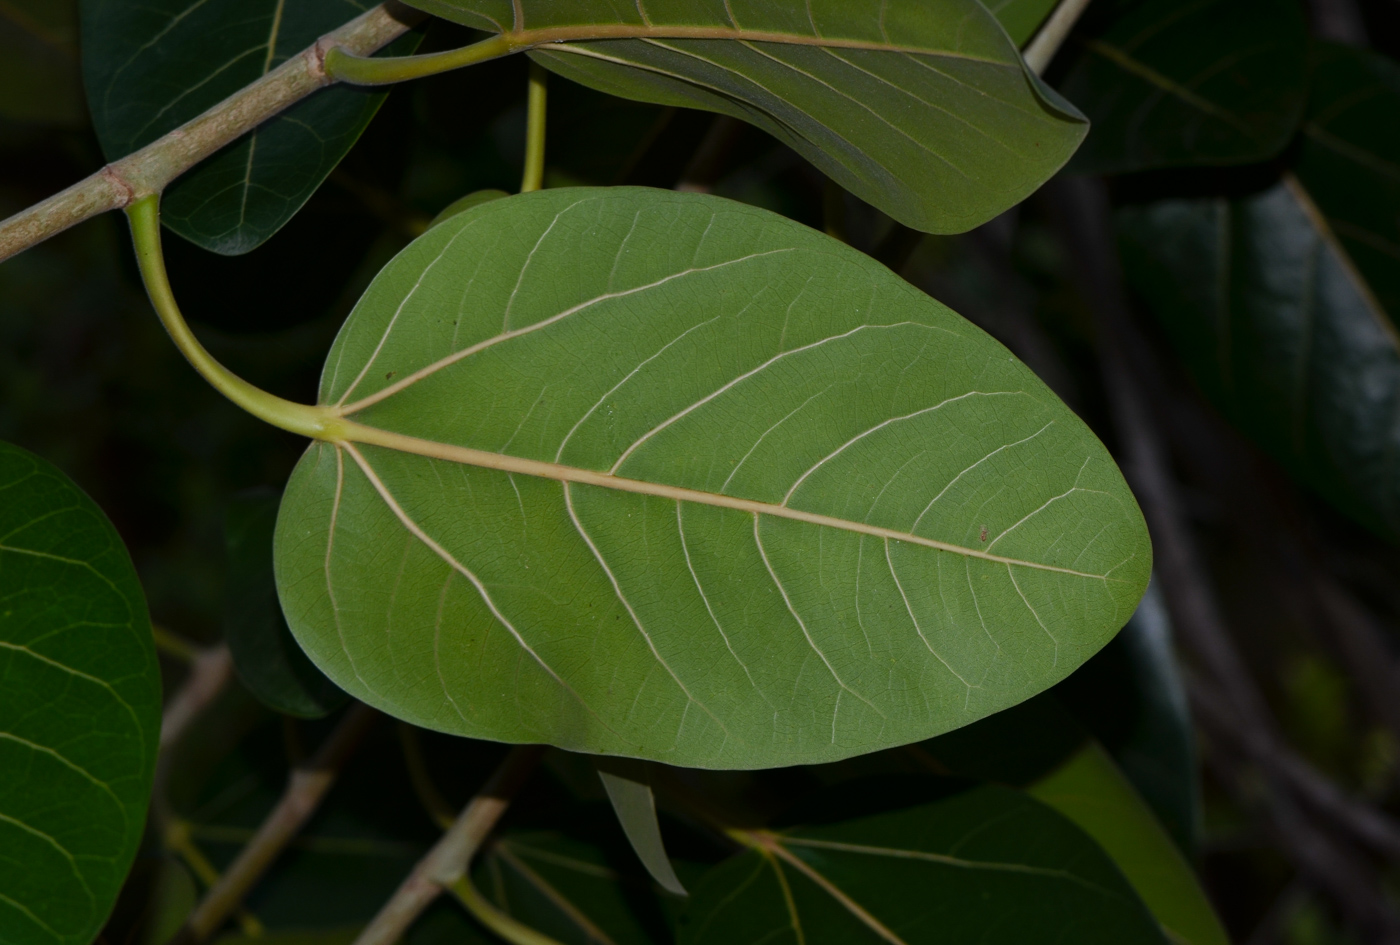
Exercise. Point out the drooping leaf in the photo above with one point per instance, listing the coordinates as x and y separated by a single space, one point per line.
1090 790
151 66
924 110
985 864
628 787
564 888
1131 698
1021 18
268 660
39 76
79 707
666 476
1171 84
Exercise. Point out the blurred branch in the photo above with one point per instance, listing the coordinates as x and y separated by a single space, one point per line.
1363 649
149 170
305 790
1052 34
428 794
1338 20
705 165
210 671
447 861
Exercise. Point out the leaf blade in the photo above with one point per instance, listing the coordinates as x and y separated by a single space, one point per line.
740 471
80 711
928 113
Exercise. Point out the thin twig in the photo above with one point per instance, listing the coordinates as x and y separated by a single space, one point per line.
536 112
150 169
305 790
447 861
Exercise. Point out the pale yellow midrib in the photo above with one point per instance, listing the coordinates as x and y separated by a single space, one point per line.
359 433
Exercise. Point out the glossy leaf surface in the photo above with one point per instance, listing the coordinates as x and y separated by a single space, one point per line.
79 708
755 500
1282 330
924 110
151 66
986 865
268 660
39 76
1170 84
1090 790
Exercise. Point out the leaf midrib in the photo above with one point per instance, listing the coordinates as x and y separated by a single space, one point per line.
352 432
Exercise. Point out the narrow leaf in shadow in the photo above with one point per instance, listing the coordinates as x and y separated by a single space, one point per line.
924 110
266 657
628 787
79 707
1171 84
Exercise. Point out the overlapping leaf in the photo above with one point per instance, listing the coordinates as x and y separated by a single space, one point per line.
1170 84
985 865
662 475
79 708
151 66
924 110
1283 302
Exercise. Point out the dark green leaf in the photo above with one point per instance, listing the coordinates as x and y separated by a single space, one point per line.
79 707
667 476
39 76
268 660
1281 330
564 888
1169 84
1020 18
924 110
1091 791
986 865
628 786
151 66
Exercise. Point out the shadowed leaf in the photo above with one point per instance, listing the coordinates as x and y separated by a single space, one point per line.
79 708
149 67
629 790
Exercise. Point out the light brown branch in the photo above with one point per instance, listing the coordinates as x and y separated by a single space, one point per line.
447 861
305 790
150 169
210 671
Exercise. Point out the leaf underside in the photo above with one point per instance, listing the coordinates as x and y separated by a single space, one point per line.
80 701
923 110
855 520
986 865
151 67
1171 84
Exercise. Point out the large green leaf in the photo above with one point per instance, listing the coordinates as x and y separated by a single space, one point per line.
79 708
924 110
1169 84
1020 18
1284 302
39 77
985 864
664 475
151 66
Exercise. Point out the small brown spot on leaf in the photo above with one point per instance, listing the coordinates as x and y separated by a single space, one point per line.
983 534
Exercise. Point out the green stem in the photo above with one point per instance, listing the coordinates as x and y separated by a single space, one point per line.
494 919
315 422
344 66
534 129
